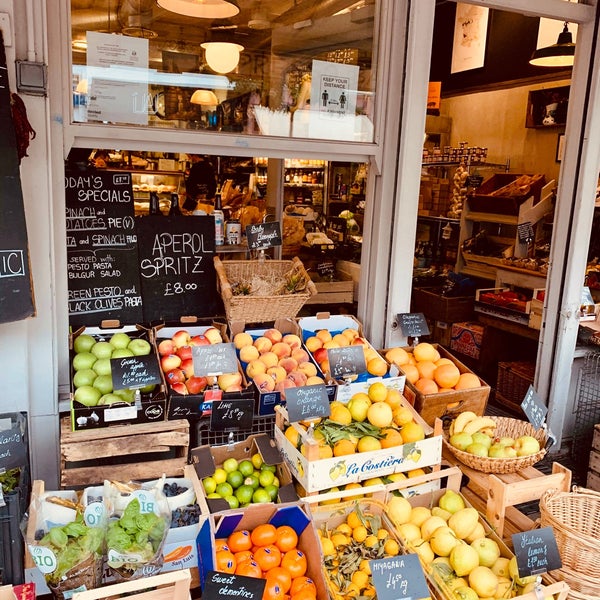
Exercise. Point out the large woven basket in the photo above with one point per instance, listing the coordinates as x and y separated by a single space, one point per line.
505 427
575 519
260 309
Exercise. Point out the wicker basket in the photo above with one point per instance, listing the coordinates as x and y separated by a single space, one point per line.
260 309
505 427
575 519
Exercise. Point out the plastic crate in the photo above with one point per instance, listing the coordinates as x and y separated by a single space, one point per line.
12 549
514 379
204 436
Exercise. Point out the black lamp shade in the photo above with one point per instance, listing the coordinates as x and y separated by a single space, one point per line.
560 54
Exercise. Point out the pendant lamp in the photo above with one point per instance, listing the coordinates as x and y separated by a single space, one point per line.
204 98
222 57
202 9
560 54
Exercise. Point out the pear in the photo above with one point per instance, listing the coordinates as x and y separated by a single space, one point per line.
451 501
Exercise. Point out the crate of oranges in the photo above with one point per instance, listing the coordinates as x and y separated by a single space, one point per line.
277 544
374 434
437 383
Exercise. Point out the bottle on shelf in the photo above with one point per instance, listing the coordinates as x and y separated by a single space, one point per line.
174 208
154 204
219 217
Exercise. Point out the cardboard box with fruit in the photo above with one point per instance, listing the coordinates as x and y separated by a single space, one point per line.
503 303
248 472
286 552
373 435
437 383
94 400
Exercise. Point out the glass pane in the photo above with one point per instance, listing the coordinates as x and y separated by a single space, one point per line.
277 67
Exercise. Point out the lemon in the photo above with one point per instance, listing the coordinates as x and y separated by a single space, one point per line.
442 540
463 559
500 567
430 525
327 546
483 581
477 533
505 586
423 549
220 475
409 532
380 414
465 593
399 510
377 392
368 443
463 521
419 515
440 512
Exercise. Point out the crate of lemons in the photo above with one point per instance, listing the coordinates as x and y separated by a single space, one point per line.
463 559
374 420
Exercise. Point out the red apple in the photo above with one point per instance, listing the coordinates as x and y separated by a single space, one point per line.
181 338
200 340
166 347
213 335
187 366
170 362
184 352
196 384
180 388
175 376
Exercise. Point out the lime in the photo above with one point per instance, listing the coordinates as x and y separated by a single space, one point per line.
213 495
244 494
220 475
230 464
224 489
232 501
272 490
209 484
266 467
246 468
260 495
235 479
266 478
276 481
257 460
252 481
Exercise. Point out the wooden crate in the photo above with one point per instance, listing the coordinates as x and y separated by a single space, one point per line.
497 495
123 452
593 476
334 292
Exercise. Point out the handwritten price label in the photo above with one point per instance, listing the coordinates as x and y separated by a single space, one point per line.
399 577
232 415
534 408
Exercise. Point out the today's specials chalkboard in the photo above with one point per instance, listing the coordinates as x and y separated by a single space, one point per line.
102 257
176 266
16 292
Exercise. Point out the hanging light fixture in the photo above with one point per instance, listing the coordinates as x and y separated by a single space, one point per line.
204 98
222 57
560 54
202 9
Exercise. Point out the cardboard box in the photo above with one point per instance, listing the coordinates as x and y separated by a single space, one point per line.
448 404
435 306
293 514
517 312
484 198
316 474
206 459
467 338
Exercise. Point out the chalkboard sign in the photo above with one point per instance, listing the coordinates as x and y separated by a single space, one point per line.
536 551
176 266
232 415
413 324
16 292
226 585
261 236
132 372
102 257
348 360
214 359
525 232
534 408
399 577
474 181
326 269
13 449
307 402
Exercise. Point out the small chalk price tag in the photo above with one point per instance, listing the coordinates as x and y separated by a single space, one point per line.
132 372
399 577
261 236
536 551
232 415
413 324
347 360
307 402
214 359
227 585
534 408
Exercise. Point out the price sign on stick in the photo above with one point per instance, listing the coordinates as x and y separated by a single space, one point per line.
261 236
348 360
536 551
307 402
214 359
232 415
132 372
534 408
226 585
413 324
399 577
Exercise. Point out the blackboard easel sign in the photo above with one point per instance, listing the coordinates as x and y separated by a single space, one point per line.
261 236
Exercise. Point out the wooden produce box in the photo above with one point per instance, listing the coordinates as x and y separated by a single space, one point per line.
593 476
494 195
448 404
133 452
338 291
517 312
447 309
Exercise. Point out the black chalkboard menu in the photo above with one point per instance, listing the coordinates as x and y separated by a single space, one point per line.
16 293
176 266
102 255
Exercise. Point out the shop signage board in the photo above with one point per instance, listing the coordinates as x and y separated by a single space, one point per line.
227 585
132 372
536 551
102 249
534 407
16 290
399 577
261 236
176 266
307 402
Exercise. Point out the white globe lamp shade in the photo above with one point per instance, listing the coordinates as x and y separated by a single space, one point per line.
222 57
201 9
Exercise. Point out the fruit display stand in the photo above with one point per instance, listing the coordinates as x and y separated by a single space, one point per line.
149 450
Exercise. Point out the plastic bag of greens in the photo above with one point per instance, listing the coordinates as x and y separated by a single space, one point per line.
138 523
65 539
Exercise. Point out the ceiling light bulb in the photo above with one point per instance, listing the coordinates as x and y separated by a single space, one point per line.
203 9
222 57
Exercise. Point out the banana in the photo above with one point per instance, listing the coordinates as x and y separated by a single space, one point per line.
463 419
479 423
451 429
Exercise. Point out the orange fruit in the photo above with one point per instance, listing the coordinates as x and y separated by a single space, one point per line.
443 361
264 534
446 376
268 557
467 381
343 448
426 369
239 540
249 568
340 414
425 351
391 437
243 555
221 544
398 356
393 398
377 366
368 443
295 562
280 575
273 590
412 432
287 538
305 594
302 583
377 392
426 386
225 561
411 372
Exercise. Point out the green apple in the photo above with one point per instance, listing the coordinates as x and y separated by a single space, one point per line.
102 350
526 445
119 340
461 440
497 451
148 388
83 360
102 366
126 395
104 383
83 343
506 441
482 438
140 347
109 399
87 395
84 377
121 353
